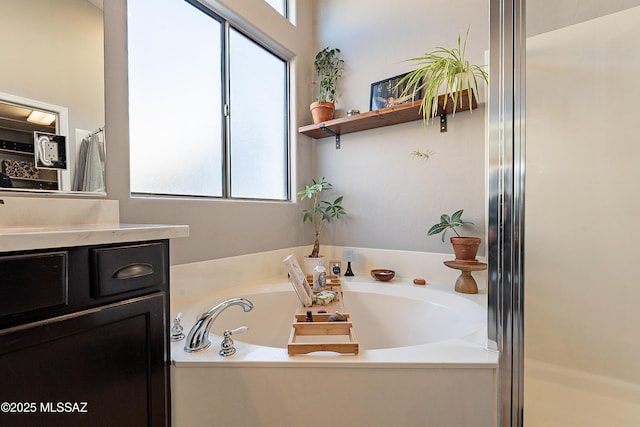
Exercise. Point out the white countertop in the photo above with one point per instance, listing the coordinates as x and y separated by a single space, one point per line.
21 238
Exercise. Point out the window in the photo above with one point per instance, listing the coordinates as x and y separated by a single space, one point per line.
257 100
279 5
208 106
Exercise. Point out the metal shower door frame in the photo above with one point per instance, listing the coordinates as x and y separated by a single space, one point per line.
506 203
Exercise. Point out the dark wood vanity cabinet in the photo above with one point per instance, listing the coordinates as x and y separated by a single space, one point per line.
83 336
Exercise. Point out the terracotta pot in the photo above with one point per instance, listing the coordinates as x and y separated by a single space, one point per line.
322 111
465 249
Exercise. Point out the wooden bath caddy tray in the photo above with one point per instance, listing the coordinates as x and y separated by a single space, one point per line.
322 335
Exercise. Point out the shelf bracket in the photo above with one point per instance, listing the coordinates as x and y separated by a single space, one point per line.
443 119
330 132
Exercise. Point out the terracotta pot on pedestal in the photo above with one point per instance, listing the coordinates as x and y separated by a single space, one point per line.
465 249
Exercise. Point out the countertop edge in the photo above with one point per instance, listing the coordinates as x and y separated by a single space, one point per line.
44 237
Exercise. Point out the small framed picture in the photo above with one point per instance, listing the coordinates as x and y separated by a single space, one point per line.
387 93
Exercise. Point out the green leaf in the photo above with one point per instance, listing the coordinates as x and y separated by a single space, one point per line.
457 215
436 68
322 210
448 222
436 229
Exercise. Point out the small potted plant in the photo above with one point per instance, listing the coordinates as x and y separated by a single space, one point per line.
443 71
321 212
329 66
464 248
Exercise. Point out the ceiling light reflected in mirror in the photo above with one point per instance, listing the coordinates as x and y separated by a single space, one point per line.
41 118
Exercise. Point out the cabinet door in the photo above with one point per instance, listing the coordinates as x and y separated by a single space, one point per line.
106 366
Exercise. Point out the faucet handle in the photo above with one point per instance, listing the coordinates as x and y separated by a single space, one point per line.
177 333
236 331
227 343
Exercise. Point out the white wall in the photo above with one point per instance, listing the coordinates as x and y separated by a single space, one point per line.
391 198
582 204
548 15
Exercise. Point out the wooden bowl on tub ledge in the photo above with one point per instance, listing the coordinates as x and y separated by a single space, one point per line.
382 274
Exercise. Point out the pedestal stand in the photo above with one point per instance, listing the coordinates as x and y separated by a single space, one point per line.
466 284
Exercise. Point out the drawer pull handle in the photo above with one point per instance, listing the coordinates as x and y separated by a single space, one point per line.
132 271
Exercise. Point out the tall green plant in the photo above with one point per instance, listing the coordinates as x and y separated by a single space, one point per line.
445 68
322 211
329 66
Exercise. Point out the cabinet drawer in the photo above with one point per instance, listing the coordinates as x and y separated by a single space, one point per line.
32 282
127 268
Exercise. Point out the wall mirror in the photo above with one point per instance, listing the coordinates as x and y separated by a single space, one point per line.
52 63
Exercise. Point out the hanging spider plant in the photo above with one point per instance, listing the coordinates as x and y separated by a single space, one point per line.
442 70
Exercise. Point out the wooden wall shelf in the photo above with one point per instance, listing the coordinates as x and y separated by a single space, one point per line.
379 118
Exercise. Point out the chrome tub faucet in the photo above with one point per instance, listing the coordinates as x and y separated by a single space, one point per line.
198 337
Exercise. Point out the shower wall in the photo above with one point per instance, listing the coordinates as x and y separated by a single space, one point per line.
583 206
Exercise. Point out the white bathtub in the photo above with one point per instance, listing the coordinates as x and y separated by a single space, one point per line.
422 361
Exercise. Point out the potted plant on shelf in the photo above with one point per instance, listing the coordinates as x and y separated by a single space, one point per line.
329 66
321 212
443 71
464 248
